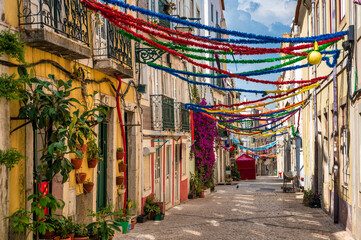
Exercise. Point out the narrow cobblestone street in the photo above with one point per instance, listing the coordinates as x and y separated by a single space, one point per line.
257 209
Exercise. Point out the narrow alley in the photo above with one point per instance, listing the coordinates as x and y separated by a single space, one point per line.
257 209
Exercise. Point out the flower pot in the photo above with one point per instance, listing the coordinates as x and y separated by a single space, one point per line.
119 180
124 226
151 216
56 238
80 238
122 167
92 163
80 177
48 235
77 162
161 206
132 224
201 194
142 218
120 155
82 148
67 238
71 235
88 187
157 217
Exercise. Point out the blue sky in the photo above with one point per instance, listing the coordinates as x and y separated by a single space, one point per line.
264 17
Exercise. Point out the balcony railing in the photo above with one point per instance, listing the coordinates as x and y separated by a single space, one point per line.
111 44
66 17
162 113
185 118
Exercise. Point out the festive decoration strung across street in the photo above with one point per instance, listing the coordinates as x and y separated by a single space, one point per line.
233 118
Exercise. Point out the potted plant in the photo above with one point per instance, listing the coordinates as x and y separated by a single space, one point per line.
119 180
70 227
121 190
81 232
124 215
306 197
315 200
103 227
77 162
122 166
133 222
88 186
161 206
150 207
120 153
229 179
80 177
142 218
228 170
93 153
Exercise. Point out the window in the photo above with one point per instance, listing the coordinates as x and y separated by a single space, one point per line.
317 18
183 154
342 9
198 16
192 9
147 173
217 17
324 21
212 12
344 148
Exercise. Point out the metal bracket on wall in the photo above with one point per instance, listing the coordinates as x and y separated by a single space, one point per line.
160 141
146 55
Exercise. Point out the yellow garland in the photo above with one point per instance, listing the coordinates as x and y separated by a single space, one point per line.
304 89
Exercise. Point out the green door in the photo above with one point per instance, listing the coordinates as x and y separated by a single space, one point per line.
102 168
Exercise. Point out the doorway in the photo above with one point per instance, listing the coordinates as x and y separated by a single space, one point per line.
102 168
168 167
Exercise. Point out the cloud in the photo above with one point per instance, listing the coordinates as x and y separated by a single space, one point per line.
269 11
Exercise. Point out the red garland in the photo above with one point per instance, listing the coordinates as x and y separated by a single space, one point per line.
129 20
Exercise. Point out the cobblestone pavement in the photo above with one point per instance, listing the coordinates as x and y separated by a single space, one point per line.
255 210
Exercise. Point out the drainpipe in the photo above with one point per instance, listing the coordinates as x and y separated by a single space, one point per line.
123 138
335 131
315 179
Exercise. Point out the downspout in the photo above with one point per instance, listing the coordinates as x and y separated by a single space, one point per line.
123 138
335 132
315 179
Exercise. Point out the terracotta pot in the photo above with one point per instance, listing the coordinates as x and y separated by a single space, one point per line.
80 177
201 194
80 238
92 163
120 155
132 224
67 238
82 148
77 162
71 235
48 235
88 187
122 167
111 237
56 238
119 180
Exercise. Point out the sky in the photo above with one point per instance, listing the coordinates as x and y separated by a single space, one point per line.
264 17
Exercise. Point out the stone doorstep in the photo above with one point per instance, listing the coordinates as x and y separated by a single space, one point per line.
49 41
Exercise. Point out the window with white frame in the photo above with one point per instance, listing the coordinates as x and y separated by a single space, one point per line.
344 148
324 17
212 12
342 9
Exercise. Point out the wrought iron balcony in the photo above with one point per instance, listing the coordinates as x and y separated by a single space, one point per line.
162 113
56 26
112 51
181 117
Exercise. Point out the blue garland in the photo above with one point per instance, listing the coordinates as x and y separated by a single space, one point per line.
247 74
260 149
211 85
265 39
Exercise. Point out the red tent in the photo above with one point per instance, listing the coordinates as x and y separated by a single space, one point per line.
246 167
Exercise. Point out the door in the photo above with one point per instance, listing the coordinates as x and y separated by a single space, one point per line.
157 174
176 172
102 168
168 166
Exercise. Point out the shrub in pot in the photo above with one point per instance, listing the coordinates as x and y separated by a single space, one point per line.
150 207
119 180
103 227
88 186
77 162
81 232
80 177
120 153
122 166
123 216
93 153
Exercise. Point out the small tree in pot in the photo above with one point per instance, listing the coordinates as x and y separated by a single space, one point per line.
93 153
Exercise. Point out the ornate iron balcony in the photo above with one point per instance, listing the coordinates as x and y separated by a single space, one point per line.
65 17
162 113
111 44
